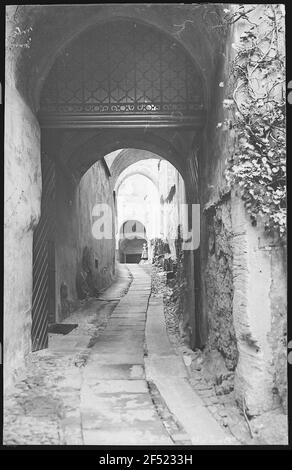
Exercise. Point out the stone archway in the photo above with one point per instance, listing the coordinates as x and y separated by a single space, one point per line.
198 155
27 80
88 125
127 158
133 172
132 237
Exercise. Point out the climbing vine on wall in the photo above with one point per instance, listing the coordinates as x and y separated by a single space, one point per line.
21 38
257 107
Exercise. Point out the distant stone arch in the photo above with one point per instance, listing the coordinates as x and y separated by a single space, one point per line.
145 173
133 237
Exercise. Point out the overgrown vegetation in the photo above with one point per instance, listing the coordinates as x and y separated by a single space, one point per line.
176 285
257 107
256 104
21 38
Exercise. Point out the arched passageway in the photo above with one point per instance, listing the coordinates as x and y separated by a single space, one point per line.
98 99
157 88
133 238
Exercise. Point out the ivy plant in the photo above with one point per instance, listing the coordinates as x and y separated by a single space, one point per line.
257 106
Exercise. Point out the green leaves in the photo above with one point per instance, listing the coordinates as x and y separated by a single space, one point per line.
258 166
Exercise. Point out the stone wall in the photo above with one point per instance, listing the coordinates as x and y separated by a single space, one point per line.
218 334
278 333
244 287
219 284
172 195
84 265
259 309
22 195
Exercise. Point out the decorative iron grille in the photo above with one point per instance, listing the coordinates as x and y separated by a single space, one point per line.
122 69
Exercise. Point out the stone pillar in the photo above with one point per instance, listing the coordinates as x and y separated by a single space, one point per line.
253 312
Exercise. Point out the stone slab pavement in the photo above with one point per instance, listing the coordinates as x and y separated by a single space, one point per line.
103 384
167 370
116 407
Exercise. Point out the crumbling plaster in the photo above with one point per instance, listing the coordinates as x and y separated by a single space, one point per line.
22 195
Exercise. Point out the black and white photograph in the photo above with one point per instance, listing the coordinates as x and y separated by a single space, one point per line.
145 234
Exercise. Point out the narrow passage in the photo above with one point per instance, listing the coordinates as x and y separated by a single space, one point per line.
117 406
114 380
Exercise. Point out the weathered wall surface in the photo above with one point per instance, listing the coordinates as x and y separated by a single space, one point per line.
83 264
219 284
216 256
278 333
244 288
259 308
22 194
172 195
22 210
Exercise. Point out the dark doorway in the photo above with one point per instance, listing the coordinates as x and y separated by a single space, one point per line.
133 258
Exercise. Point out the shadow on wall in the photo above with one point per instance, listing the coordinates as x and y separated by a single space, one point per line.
66 305
86 282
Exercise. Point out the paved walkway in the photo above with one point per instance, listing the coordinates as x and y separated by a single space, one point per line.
114 380
167 370
116 406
